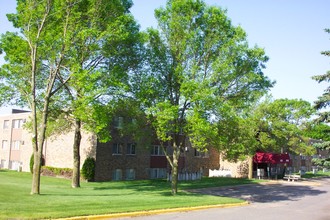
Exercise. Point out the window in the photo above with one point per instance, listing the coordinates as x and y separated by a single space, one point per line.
130 174
156 173
6 124
117 148
201 154
18 123
4 144
117 175
157 151
118 122
197 153
130 149
15 145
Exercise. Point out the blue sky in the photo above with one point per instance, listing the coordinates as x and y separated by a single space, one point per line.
290 31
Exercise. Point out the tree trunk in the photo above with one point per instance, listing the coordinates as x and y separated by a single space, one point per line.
76 155
36 174
174 183
250 161
38 139
175 165
35 188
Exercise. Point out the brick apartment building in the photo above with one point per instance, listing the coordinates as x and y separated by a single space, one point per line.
16 145
120 159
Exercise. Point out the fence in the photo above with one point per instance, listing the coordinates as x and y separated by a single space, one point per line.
186 176
220 173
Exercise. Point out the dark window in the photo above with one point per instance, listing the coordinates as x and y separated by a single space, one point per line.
157 150
131 148
117 148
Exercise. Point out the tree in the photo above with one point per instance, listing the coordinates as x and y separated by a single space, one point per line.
281 126
323 101
61 60
33 61
103 53
237 133
198 66
318 131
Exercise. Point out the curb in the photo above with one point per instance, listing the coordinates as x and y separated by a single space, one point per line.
153 212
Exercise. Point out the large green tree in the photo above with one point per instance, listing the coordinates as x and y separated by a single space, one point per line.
64 57
322 104
105 39
281 123
323 101
31 75
198 66
237 133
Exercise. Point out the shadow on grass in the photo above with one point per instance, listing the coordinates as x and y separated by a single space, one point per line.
163 187
85 195
138 185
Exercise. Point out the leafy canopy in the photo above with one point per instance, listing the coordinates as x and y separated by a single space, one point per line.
199 63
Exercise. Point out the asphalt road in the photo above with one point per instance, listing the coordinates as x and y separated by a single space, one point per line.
305 200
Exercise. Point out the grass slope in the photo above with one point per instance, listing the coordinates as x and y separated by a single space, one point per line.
309 175
59 200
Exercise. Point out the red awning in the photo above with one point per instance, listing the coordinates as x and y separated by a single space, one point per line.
272 158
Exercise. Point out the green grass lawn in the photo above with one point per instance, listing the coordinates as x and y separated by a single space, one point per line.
58 199
316 175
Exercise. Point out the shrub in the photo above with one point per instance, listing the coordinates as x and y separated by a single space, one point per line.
88 169
55 171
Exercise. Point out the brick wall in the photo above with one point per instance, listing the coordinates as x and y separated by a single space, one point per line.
203 162
58 150
239 169
13 135
107 162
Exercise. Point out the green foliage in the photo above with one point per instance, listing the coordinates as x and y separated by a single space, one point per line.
323 100
88 169
326 163
318 162
321 162
323 145
69 59
198 65
31 163
238 136
318 131
56 171
281 125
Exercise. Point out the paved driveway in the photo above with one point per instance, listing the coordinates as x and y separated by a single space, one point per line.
269 192
272 201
